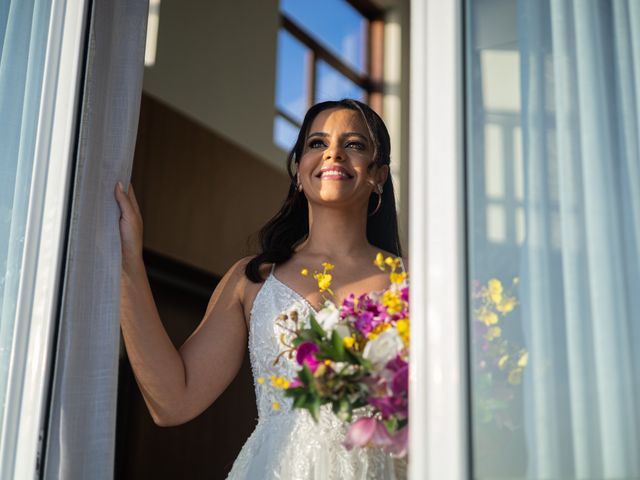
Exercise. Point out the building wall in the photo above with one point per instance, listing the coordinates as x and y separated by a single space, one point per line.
202 196
215 62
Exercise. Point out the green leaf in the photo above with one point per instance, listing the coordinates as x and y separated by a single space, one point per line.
338 346
391 424
300 401
315 326
305 375
314 408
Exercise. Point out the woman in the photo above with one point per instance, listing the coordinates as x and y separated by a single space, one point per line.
340 209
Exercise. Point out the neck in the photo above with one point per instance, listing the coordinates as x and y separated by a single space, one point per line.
336 232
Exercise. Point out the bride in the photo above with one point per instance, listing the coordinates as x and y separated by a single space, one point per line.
340 208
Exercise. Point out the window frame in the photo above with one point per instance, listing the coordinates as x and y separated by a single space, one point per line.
439 438
371 81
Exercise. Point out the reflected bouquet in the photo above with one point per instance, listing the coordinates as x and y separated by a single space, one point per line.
500 361
355 358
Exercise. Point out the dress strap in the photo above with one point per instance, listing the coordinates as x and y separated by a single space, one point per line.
273 267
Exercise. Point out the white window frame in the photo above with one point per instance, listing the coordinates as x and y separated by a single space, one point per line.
45 236
440 428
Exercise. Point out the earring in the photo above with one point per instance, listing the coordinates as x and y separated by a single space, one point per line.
379 193
298 184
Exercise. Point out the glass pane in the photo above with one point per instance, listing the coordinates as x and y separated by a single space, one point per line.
284 133
335 24
291 91
332 85
554 246
23 40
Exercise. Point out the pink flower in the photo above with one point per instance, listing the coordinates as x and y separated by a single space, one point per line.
295 383
306 354
367 430
399 442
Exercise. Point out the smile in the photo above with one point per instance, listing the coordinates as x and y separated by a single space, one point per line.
334 173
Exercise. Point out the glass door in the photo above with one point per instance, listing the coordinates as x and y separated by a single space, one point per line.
552 93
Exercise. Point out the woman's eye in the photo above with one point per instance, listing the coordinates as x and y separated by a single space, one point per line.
356 145
316 143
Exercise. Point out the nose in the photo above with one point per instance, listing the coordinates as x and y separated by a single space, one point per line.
334 152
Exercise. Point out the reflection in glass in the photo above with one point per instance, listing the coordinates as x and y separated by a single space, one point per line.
332 85
291 81
554 249
335 24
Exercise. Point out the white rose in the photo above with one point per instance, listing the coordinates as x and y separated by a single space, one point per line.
383 348
329 316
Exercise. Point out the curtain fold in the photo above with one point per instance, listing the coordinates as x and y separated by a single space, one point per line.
23 39
580 85
81 431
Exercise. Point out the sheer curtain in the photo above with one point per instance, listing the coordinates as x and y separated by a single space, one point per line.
580 87
82 423
23 40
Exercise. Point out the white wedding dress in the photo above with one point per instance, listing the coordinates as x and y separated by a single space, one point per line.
287 444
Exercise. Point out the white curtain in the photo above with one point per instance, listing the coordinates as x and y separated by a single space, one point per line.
580 263
82 424
23 38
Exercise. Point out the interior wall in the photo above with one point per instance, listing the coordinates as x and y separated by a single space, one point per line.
216 63
202 197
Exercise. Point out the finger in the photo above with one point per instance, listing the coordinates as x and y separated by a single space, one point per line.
134 201
124 202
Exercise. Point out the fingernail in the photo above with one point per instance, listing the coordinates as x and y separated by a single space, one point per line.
120 186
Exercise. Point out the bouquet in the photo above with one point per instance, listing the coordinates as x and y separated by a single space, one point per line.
355 358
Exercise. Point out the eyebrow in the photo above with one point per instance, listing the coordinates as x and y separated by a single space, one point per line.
346 134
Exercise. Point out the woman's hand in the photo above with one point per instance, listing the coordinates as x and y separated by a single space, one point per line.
130 226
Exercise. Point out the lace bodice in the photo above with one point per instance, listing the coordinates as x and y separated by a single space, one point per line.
287 444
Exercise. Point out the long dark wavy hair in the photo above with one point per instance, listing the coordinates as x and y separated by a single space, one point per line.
290 226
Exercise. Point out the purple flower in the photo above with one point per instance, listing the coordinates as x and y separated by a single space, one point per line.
404 294
390 405
400 382
306 354
365 322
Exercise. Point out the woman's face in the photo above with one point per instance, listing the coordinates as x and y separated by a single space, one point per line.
334 167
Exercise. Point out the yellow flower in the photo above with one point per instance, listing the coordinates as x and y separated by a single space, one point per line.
260 380
327 266
279 382
378 330
392 302
324 280
275 406
523 360
488 317
348 341
402 326
496 297
495 286
493 332
379 261
304 272
392 262
506 305
503 361
515 376
327 362
398 277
